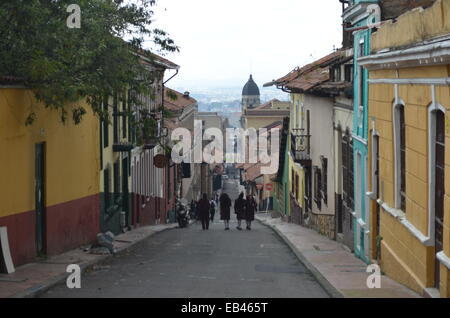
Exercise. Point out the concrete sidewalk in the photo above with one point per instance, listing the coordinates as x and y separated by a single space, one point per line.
337 269
34 278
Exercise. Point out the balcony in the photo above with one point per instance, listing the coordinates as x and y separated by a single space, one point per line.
301 147
123 147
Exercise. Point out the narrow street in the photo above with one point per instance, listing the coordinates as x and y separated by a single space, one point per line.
193 263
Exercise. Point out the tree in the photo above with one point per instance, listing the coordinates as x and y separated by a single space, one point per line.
65 65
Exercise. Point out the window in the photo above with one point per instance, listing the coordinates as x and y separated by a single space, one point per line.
337 74
347 171
403 159
106 187
308 189
324 182
105 123
400 154
375 163
115 120
124 115
349 73
318 187
292 181
439 187
361 80
116 178
440 167
377 166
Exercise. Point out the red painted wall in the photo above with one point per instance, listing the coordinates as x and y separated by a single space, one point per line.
72 224
68 226
21 235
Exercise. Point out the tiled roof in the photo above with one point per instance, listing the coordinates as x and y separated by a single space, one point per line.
179 103
311 75
267 105
156 59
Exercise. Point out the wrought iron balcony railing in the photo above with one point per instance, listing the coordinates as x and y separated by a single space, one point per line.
300 146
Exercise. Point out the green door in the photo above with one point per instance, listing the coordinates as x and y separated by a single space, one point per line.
125 190
40 197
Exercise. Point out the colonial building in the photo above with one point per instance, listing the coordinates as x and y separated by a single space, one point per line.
314 89
357 17
152 185
184 110
361 17
49 190
341 76
409 162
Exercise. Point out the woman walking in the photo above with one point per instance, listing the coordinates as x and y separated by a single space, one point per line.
225 205
239 209
203 210
250 209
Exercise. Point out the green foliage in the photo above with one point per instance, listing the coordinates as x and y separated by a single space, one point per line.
64 66
171 94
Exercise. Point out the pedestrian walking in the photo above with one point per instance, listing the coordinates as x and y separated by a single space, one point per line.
250 209
225 205
239 209
203 211
212 210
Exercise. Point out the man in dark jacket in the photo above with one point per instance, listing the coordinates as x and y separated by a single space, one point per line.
203 211
250 209
225 204
212 210
239 209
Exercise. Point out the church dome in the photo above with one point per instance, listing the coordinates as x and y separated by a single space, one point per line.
250 89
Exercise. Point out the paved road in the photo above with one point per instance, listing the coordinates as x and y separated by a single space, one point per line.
191 263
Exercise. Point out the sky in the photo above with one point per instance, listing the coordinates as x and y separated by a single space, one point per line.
222 42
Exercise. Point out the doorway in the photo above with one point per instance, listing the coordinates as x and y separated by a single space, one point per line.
40 197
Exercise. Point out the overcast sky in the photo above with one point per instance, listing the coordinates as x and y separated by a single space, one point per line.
222 42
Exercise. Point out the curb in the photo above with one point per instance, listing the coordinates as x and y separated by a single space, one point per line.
37 290
329 288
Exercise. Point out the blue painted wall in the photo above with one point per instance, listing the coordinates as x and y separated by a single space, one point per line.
360 134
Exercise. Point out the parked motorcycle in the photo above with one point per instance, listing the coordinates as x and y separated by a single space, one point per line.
182 214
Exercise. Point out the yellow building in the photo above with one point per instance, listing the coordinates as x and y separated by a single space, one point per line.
49 189
409 162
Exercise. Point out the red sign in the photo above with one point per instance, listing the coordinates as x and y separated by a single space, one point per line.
269 187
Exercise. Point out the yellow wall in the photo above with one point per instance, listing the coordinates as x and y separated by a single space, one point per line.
72 153
404 257
414 26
